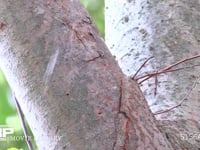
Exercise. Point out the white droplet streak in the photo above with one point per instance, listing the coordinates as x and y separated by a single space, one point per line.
50 68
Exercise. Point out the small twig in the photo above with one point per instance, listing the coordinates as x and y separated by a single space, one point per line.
147 77
179 62
24 127
161 112
167 69
141 68
185 97
177 69
150 75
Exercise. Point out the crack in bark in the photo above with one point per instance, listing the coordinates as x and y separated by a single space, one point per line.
65 23
120 100
127 127
79 37
100 55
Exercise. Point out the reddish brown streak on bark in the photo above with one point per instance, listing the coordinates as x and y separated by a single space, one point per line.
127 126
127 134
2 26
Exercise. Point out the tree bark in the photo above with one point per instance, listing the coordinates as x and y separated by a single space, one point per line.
169 31
69 86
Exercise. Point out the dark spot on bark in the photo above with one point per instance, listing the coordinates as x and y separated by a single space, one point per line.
99 113
67 94
126 19
57 129
142 31
151 48
90 34
167 136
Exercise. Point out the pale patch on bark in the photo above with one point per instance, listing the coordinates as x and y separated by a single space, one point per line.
50 68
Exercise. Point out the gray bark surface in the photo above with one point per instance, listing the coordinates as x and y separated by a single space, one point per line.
169 31
69 86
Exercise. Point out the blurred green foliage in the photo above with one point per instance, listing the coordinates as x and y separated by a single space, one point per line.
96 11
8 114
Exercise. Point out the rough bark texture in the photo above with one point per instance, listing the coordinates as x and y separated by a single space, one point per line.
67 82
168 30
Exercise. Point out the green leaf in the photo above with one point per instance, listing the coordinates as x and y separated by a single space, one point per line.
14 148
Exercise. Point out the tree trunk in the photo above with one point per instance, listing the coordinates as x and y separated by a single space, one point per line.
169 31
69 86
